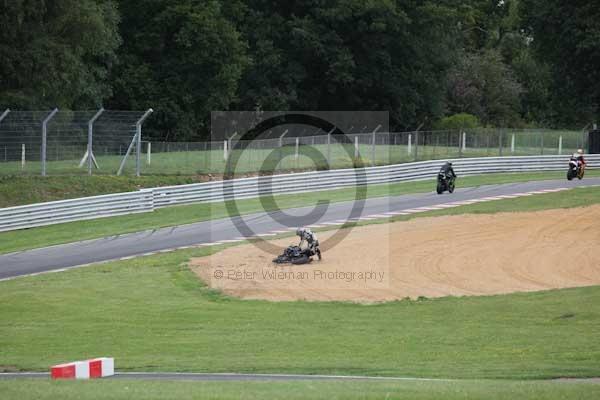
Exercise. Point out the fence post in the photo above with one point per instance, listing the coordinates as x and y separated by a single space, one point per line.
149 153
356 147
328 147
90 151
228 147
500 137
464 141
542 142
4 114
297 145
22 156
45 137
137 140
409 147
512 143
416 145
373 145
560 145
225 150
281 145
138 150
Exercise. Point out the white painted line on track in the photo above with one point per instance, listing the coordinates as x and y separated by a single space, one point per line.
490 198
379 216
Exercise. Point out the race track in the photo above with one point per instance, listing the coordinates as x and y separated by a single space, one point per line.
71 255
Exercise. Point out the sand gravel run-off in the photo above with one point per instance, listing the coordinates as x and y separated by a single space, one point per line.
432 257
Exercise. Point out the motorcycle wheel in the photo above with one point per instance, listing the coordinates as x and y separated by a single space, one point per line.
440 188
303 259
451 187
569 175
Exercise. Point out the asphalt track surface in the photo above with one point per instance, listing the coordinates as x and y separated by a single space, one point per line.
60 257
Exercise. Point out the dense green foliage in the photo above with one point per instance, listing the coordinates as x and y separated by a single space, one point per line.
509 63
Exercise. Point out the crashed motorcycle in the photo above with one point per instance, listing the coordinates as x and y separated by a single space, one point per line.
296 255
445 183
576 170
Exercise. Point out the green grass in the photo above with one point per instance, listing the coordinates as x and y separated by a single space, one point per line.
153 314
171 216
20 190
113 389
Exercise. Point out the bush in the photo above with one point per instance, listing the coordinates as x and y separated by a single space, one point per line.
458 121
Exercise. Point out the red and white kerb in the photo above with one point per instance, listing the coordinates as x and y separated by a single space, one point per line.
94 368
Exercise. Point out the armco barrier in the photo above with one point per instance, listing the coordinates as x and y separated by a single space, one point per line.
147 200
56 212
333 179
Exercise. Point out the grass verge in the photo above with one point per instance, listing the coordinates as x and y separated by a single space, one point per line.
172 216
113 389
20 190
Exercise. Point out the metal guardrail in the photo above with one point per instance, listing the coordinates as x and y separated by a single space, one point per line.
56 212
146 200
335 179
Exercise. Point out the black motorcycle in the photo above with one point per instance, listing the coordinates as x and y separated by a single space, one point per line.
445 183
576 170
295 255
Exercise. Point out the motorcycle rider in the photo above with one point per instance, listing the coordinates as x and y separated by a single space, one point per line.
447 170
580 160
312 243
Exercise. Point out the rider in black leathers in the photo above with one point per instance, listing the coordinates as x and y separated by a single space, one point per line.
447 170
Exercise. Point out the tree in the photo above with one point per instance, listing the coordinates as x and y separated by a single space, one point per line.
565 35
56 53
482 85
348 55
182 57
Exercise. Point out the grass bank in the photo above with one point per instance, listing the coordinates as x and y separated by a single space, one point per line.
20 190
153 314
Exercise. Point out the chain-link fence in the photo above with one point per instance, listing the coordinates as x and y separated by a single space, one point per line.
296 153
69 142
62 147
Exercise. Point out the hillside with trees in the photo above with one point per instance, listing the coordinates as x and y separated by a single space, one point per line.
504 63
